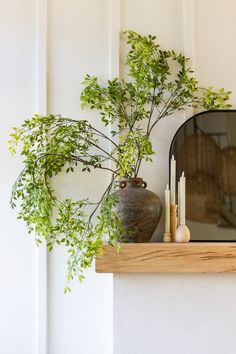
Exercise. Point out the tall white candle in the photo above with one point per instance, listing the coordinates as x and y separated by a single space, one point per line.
167 209
179 203
182 199
172 180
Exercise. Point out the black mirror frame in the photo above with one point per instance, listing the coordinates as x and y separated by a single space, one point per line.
170 153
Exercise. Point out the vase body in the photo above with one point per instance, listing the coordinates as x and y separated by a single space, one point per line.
138 209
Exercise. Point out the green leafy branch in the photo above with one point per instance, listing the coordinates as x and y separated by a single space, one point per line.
161 83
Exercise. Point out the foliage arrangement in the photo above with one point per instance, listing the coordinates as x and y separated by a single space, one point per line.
161 83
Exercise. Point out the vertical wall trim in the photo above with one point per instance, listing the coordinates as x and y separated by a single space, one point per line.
41 252
42 56
114 45
114 38
188 34
189 30
114 71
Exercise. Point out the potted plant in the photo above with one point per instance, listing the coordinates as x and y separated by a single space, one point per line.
161 83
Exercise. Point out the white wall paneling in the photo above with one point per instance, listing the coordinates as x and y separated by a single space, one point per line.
79 42
215 52
114 38
188 33
41 253
46 47
163 19
170 313
18 100
188 30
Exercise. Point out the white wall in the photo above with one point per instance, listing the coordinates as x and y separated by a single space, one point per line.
17 251
78 43
180 314
174 314
74 36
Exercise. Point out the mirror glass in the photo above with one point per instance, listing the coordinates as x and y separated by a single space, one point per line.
205 149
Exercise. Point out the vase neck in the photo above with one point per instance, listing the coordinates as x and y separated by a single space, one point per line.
133 183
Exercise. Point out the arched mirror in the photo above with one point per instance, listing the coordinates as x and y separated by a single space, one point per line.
205 149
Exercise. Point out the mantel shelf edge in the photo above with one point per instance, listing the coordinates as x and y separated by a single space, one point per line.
195 257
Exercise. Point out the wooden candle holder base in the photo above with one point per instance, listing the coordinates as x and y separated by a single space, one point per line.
173 221
167 237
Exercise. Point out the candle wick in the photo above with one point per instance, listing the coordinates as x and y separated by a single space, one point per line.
172 157
182 174
167 187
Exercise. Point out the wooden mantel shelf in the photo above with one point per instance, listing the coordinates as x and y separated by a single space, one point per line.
199 257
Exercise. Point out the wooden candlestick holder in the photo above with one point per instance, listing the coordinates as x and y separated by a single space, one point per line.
173 221
167 237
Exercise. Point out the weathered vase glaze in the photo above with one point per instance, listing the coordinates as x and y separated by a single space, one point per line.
138 209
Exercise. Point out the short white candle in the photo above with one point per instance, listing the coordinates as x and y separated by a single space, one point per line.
182 199
167 209
172 180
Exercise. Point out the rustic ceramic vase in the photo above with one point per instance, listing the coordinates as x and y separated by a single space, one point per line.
138 209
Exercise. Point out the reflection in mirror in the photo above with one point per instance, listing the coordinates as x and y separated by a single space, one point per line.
205 149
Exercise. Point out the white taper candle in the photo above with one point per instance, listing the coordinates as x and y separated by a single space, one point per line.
182 199
167 209
172 180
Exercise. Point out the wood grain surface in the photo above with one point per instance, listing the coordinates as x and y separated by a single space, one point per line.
198 257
